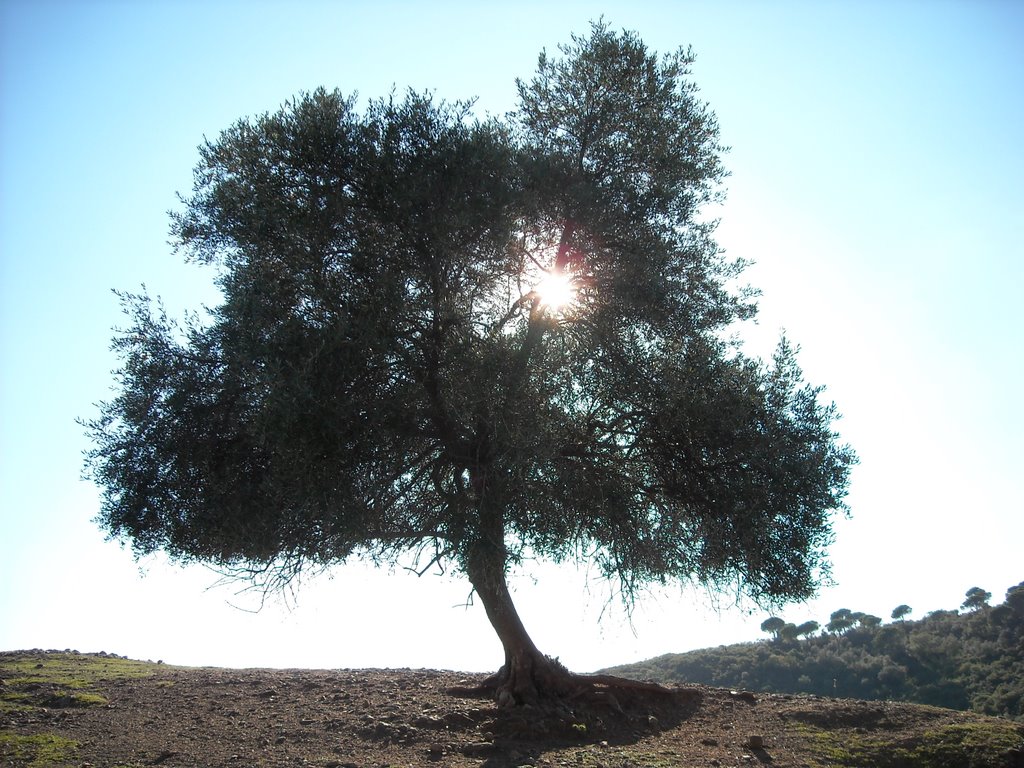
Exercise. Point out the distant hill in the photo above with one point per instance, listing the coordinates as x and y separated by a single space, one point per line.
970 660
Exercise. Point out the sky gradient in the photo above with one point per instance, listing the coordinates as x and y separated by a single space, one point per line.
876 169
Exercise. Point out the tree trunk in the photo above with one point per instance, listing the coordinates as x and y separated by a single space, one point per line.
527 675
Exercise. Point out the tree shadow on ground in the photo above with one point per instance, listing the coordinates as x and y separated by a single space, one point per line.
611 719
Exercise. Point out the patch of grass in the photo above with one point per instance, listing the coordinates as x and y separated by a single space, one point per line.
848 749
71 670
8 705
12 700
25 696
59 698
38 749
58 680
986 744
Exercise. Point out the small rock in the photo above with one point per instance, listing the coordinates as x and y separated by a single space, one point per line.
478 748
709 742
755 742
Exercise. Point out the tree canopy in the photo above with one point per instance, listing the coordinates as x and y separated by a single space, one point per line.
385 373
901 611
976 598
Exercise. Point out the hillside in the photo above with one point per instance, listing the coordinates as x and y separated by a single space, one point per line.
101 711
970 660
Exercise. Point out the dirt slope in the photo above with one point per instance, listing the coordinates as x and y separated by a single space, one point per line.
103 711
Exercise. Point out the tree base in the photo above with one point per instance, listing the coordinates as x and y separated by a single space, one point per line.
538 692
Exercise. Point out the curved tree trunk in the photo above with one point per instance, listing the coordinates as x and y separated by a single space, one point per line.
527 675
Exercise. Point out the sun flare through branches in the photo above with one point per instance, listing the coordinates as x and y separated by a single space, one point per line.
556 290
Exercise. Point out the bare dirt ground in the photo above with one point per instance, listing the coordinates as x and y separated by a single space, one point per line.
102 711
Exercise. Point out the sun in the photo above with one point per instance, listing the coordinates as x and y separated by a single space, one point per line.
556 290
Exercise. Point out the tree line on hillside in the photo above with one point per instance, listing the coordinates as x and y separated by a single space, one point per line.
972 658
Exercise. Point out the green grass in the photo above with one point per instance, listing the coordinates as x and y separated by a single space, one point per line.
71 670
55 680
978 745
58 680
37 750
984 744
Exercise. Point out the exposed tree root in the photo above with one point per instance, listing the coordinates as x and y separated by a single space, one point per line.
542 690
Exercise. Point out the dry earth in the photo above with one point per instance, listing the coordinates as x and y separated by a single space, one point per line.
104 711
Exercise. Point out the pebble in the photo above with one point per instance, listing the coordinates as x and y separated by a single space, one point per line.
478 748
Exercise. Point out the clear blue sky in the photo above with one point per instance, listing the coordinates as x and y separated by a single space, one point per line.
877 171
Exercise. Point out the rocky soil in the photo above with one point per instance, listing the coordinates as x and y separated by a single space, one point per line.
102 711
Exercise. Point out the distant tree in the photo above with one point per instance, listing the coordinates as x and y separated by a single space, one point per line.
772 626
972 659
788 632
892 675
1015 599
807 629
901 611
976 598
840 621
390 370
869 621
1011 613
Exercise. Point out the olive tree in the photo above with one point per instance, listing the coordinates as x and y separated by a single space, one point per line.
472 341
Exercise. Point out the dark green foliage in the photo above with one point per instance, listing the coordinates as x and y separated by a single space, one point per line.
901 612
962 661
976 598
773 626
807 629
840 621
381 376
